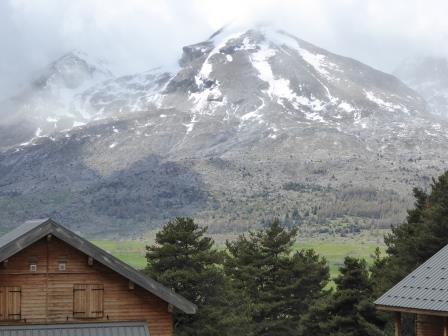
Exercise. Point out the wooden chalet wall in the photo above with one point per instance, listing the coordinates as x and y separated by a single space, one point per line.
426 325
47 294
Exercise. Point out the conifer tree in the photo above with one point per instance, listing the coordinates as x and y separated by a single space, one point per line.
278 283
349 311
183 259
424 232
420 237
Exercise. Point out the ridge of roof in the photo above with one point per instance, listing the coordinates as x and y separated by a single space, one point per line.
31 231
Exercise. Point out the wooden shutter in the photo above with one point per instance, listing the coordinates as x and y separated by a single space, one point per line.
96 301
80 301
88 301
13 306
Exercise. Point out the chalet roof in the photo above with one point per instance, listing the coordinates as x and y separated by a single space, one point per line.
91 329
31 231
426 288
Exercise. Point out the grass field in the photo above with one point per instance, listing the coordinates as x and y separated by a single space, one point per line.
334 249
129 251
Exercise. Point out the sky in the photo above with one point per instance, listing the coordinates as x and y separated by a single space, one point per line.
136 35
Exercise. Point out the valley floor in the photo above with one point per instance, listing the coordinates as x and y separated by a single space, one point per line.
334 249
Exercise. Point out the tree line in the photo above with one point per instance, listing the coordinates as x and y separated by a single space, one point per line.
261 284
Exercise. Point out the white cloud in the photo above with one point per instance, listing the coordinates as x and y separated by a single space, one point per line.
140 34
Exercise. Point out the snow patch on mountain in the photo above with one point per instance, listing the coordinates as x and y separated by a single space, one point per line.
208 98
277 87
391 107
256 114
346 107
280 87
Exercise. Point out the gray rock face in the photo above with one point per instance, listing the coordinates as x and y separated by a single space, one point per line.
254 125
429 77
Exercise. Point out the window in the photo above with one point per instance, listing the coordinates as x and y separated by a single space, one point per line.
88 301
62 266
33 264
10 298
62 263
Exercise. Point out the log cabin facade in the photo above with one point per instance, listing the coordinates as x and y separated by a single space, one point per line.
52 279
423 293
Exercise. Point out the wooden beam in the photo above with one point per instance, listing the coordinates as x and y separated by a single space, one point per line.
49 236
131 285
445 326
412 311
397 324
90 261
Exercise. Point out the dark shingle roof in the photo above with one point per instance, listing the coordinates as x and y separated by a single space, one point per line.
426 288
31 231
91 329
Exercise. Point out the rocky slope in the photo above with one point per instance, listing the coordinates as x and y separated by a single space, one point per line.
254 124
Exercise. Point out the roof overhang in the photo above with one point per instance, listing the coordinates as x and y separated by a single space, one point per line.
411 310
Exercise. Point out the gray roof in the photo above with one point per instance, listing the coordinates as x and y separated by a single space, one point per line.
90 329
31 231
426 288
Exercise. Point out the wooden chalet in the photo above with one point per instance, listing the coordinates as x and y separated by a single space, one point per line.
424 293
53 282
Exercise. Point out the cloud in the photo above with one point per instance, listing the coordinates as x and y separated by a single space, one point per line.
139 34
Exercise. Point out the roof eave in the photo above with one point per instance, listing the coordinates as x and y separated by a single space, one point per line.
410 310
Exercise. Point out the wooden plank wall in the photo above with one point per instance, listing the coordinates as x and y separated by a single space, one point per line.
47 294
426 325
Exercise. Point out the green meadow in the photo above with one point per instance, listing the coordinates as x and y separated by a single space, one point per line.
336 251
333 249
131 252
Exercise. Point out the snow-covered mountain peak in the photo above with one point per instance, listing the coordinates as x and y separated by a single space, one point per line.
72 70
262 77
256 80
46 105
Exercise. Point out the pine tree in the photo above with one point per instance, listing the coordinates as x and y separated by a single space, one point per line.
278 283
424 232
349 311
421 236
185 260
297 219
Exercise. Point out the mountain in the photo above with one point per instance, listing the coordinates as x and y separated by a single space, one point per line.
254 124
429 77
46 104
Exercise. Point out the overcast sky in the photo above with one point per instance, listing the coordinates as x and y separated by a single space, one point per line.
135 35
